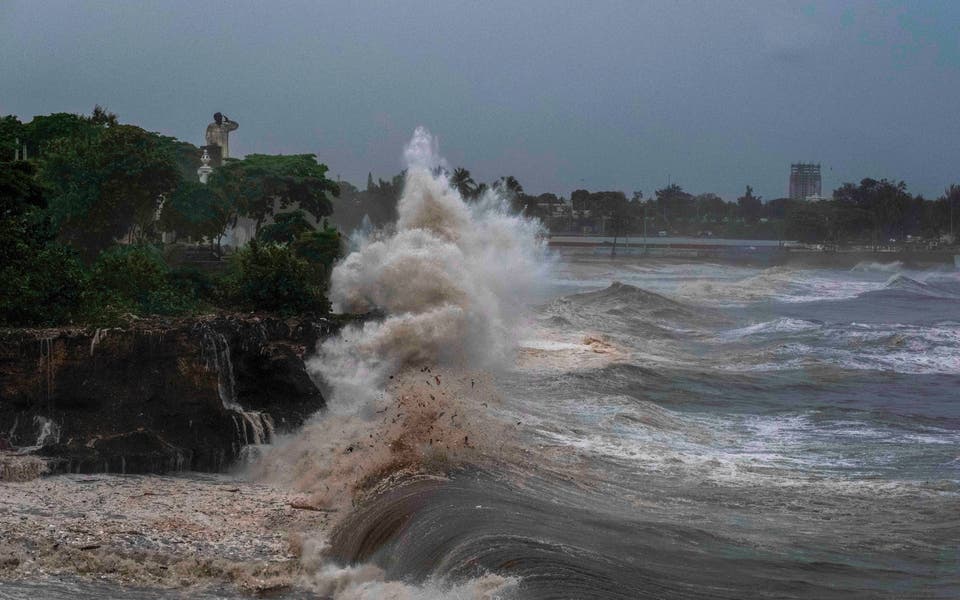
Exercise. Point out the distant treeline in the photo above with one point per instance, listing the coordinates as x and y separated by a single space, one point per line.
86 201
871 212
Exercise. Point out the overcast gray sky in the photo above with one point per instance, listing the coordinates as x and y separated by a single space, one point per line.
604 95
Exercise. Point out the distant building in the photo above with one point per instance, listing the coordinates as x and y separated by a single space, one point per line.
804 180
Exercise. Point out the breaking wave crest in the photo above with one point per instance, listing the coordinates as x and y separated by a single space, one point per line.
782 284
451 279
409 391
902 283
626 304
865 265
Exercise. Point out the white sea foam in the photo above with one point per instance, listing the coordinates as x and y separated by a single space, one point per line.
781 284
452 278
452 281
900 348
890 267
777 326
368 582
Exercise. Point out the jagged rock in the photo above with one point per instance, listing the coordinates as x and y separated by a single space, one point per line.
156 396
17 467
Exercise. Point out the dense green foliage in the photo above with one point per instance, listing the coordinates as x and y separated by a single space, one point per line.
106 185
267 276
42 286
80 225
80 221
42 280
321 248
286 228
197 211
132 279
262 185
873 212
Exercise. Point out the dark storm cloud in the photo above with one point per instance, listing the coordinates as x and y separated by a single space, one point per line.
714 95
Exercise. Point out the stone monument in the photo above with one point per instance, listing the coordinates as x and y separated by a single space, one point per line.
205 169
218 138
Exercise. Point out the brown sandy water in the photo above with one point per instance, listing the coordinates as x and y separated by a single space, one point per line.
152 531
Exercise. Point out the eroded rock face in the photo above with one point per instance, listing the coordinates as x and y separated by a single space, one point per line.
156 397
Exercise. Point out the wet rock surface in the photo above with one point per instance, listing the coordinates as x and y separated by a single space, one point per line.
156 396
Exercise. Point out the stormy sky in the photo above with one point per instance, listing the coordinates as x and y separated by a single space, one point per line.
601 94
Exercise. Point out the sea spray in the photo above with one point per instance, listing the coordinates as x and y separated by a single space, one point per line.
452 279
367 582
409 392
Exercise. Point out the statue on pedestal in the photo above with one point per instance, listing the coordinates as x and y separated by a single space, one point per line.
218 138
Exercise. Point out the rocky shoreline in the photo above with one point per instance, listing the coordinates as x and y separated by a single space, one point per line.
157 396
154 531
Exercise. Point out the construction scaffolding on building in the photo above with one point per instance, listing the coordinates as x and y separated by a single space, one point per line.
804 181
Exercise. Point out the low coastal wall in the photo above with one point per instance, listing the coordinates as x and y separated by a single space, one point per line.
154 397
756 252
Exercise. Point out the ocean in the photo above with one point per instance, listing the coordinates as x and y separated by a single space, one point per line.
517 423
708 431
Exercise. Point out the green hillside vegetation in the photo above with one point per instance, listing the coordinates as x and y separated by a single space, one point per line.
81 224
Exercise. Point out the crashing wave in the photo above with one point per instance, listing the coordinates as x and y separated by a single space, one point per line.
902 283
625 304
452 279
409 393
866 265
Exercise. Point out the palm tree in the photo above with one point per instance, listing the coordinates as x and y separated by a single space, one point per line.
511 190
510 185
463 182
950 195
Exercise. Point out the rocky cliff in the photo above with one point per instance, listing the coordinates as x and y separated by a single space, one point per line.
157 396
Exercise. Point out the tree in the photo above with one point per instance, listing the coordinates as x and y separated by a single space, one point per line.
11 134
272 277
185 154
463 182
711 207
808 222
286 228
19 189
41 279
674 204
45 130
778 208
616 209
263 184
749 206
510 190
195 210
887 202
950 199
106 185
321 248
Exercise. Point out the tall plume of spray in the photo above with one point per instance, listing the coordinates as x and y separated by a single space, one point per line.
452 280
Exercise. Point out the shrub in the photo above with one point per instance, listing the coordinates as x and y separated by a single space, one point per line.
131 272
133 279
272 277
321 248
42 290
196 283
